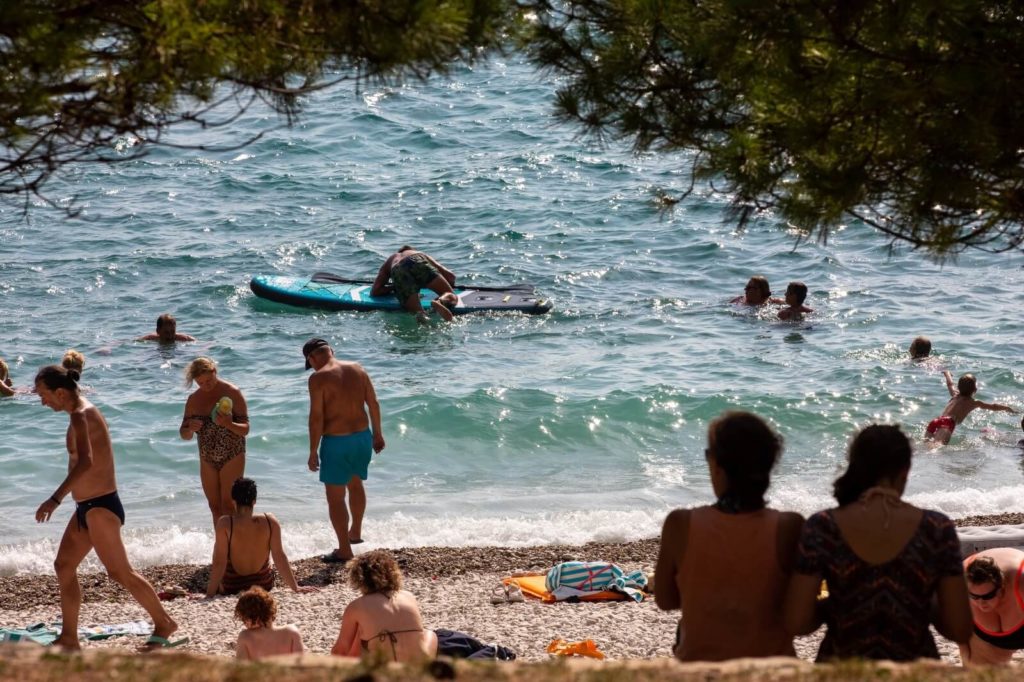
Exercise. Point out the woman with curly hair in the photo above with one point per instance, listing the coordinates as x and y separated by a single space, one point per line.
386 617
386 622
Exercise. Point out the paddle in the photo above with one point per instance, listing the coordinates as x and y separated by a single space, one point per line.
330 278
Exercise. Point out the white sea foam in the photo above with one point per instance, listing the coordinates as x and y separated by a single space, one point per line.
972 501
174 545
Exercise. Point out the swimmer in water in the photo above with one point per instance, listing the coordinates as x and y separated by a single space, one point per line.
961 404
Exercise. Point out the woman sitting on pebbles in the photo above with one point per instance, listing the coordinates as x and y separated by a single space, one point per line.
385 618
727 564
386 622
891 569
995 584
243 546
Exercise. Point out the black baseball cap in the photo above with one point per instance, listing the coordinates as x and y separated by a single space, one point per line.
311 346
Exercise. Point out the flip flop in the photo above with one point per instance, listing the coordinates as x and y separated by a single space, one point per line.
357 541
158 642
332 558
499 594
515 595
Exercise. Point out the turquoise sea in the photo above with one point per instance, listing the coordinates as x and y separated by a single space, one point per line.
588 423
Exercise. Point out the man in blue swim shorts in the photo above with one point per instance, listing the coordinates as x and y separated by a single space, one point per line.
342 457
341 439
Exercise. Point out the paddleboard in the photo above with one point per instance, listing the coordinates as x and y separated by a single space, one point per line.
333 292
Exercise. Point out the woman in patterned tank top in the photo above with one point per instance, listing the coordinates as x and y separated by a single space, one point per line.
884 561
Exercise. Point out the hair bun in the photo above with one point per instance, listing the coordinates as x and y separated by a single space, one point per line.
74 375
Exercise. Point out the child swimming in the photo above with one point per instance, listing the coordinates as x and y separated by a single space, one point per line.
796 294
920 348
961 404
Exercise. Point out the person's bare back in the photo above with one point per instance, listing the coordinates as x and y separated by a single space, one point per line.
959 407
342 386
390 624
249 541
257 609
273 640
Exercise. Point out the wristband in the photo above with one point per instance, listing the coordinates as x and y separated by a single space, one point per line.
54 500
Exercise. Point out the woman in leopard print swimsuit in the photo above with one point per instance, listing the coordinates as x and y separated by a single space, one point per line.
221 436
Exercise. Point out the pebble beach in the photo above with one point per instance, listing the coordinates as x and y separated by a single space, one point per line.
453 586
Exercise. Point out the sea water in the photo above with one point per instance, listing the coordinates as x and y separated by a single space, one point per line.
585 424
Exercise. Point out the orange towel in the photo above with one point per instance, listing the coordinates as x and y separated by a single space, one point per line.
534 586
587 648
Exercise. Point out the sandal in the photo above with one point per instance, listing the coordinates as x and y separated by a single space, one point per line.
499 594
515 595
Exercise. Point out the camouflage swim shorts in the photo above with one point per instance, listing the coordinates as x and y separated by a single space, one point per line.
412 274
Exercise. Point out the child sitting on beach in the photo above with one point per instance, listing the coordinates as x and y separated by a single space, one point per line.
796 294
261 638
961 404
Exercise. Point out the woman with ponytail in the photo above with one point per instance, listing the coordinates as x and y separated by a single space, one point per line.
884 562
96 521
726 565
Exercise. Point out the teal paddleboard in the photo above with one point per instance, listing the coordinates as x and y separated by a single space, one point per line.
332 292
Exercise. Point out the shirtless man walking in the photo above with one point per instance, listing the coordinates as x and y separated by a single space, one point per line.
341 439
96 523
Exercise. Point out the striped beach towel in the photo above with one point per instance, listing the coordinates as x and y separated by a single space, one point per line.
39 633
596 576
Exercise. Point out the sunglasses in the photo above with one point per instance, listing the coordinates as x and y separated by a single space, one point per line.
983 597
